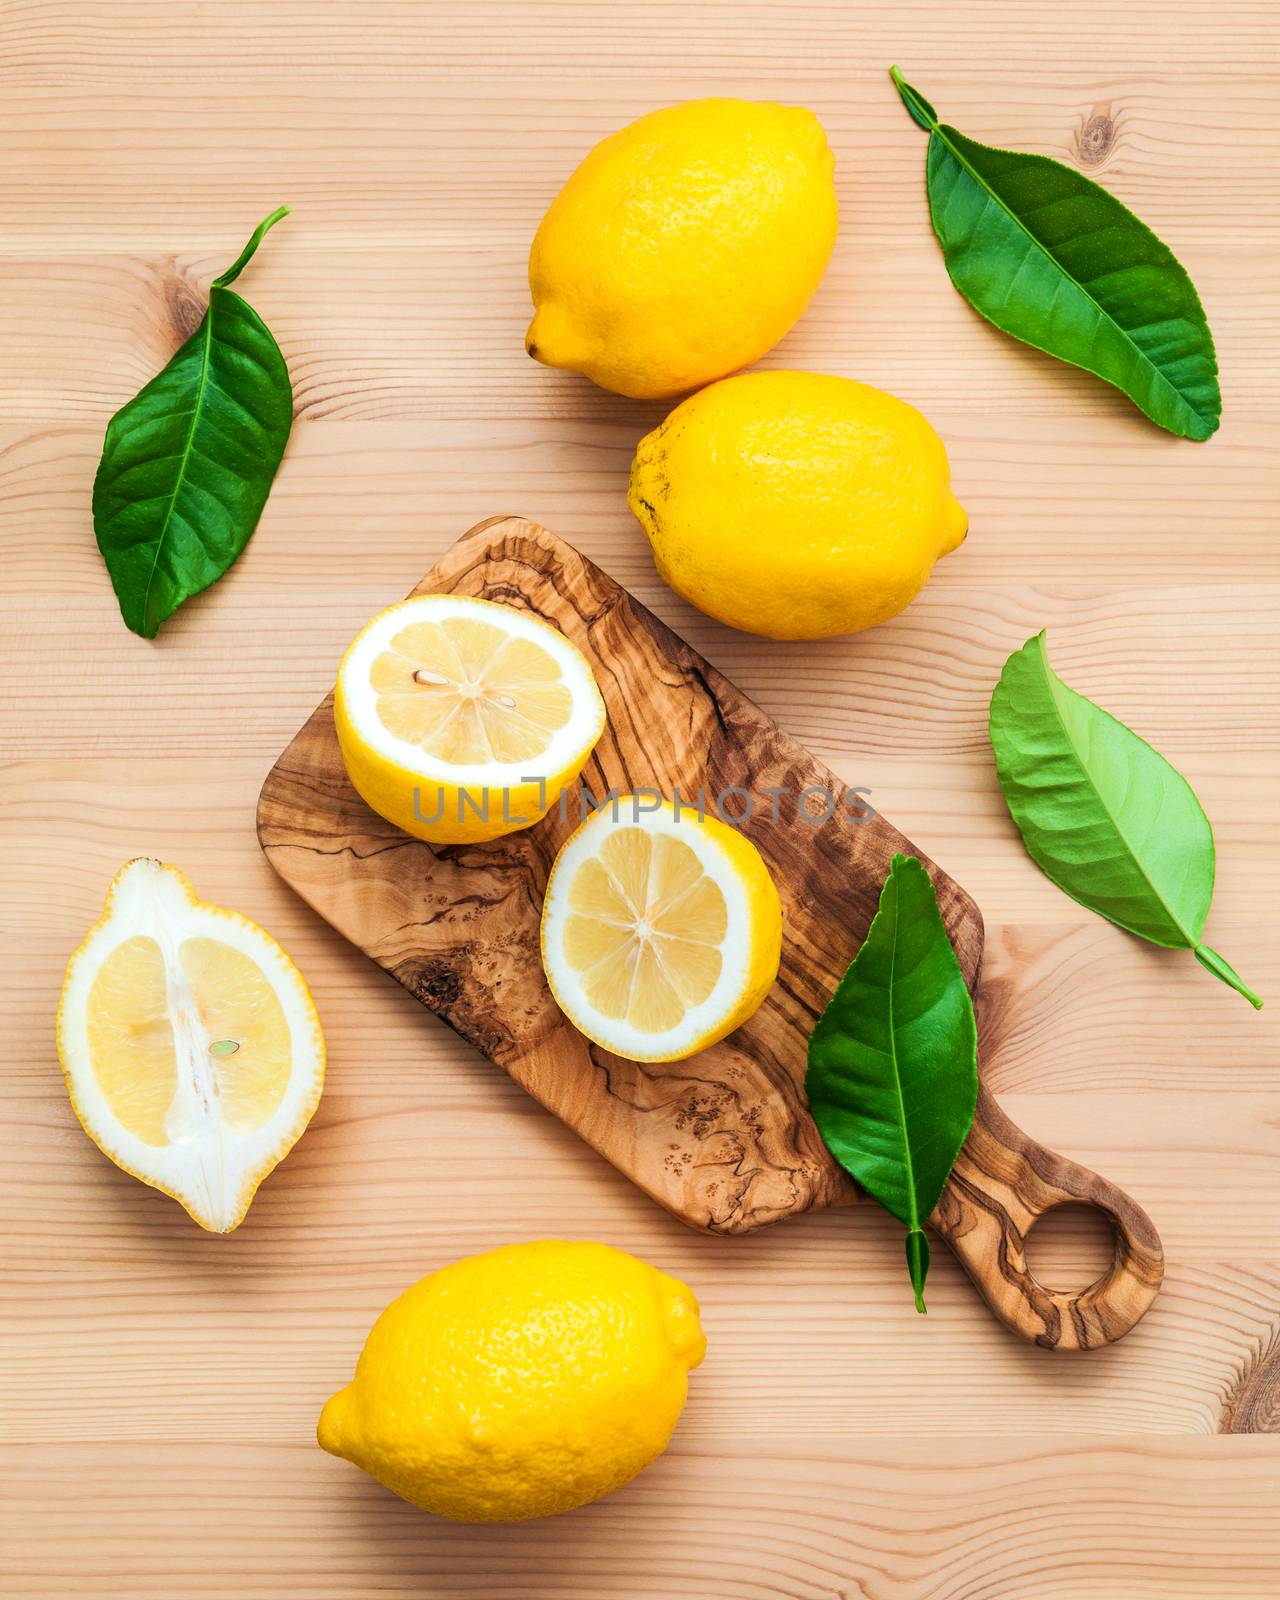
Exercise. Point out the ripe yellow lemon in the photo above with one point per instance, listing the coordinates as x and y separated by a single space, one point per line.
684 246
460 720
796 505
661 929
519 1383
190 1043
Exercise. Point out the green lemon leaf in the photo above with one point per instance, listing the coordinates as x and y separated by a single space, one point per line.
1053 259
188 463
893 1061
1102 813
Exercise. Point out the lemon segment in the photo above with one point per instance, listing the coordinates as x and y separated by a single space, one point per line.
519 1383
130 1038
190 1044
460 720
796 504
237 1005
684 246
661 931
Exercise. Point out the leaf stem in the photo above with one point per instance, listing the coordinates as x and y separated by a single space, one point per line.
1222 968
247 254
920 109
918 1265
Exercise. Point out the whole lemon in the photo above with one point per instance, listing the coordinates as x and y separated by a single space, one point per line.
684 246
795 505
519 1383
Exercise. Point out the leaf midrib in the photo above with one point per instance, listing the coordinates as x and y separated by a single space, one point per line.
1051 677
939 129
897 1075
186 455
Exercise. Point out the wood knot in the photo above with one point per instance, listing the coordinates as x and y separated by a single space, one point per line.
184 306
1096 138
1252 1404
434 983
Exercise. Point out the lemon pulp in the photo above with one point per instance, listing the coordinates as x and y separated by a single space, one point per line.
645 930
465 692
661 930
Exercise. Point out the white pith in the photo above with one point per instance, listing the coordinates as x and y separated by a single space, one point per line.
210 1167
566 744
699 1020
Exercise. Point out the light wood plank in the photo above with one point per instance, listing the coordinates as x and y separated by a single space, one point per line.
158 1388
970 1520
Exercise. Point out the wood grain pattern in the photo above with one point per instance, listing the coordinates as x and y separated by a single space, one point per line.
158 1389
723 1139
1176 1520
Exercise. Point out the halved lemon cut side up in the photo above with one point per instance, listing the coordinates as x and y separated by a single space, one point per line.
190 1043
461 720
661 930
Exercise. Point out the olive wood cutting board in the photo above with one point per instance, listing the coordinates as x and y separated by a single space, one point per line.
724 1139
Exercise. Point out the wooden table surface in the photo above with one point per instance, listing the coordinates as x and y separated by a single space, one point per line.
160 1385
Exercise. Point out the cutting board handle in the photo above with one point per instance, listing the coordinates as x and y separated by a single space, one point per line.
1002 1183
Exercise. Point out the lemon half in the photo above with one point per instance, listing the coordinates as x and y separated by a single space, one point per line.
661 930
461 720
190 1044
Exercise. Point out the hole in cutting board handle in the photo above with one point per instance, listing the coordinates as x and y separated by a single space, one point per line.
1070 1247
1002 1183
